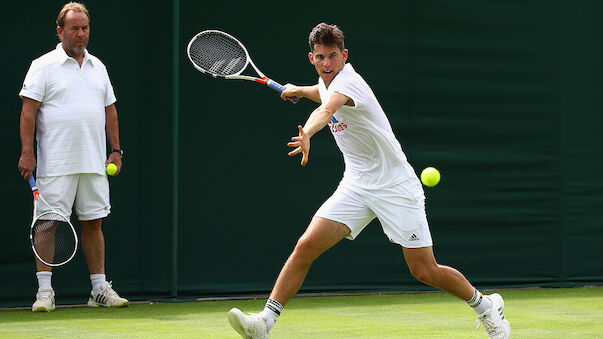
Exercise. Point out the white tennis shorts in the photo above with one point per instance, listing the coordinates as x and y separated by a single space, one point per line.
89 192
400 209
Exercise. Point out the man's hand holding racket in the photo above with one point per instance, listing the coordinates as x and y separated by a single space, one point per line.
27 164
291 91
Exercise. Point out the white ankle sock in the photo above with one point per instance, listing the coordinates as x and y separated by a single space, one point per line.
44 278
479 302
97 280
271 312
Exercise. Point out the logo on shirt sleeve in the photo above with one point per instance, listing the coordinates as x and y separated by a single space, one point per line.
337 127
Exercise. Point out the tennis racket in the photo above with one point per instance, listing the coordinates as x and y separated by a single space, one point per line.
223 56
52 236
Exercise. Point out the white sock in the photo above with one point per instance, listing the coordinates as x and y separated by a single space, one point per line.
271 312
479 303
44 279
97 280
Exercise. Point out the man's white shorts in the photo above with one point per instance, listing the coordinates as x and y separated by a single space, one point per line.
399 208
89 192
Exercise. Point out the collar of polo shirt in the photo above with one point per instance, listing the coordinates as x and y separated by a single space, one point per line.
67 57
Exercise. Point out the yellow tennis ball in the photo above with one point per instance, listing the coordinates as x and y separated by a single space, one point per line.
430 176
111 169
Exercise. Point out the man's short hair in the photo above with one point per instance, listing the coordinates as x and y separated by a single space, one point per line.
325 34
71 6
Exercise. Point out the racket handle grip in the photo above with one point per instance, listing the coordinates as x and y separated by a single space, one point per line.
279 88
32 182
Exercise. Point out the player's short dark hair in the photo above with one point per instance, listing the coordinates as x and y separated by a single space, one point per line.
325 34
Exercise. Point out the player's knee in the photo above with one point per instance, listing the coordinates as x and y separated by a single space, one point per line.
92 225
305 250
422 273
95 230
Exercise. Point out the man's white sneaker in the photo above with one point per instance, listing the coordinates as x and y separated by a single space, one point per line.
44 300
106 297
494 322
249 326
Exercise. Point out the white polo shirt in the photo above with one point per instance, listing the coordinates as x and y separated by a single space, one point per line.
373 156
70 123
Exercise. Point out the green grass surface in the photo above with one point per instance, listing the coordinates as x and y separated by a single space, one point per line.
533 313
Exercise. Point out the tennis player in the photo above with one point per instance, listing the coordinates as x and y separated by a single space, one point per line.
68 95
377 182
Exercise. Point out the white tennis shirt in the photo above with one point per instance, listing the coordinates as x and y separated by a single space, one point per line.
70 123
373 156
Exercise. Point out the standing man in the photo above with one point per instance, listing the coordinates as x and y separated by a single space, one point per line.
378 182
67 94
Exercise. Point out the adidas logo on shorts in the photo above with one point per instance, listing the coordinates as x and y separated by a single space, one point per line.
413 237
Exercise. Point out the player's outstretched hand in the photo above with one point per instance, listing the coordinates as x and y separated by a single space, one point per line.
301 142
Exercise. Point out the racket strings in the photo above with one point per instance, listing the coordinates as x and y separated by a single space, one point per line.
218 54
53 239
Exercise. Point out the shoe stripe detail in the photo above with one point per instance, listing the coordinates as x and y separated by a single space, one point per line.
99 299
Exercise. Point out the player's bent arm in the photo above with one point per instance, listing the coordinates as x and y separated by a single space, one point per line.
27 126
309 92
112 130
319 118
323 114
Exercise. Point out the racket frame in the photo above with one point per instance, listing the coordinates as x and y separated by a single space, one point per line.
264 80
36 196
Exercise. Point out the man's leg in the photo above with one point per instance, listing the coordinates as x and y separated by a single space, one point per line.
59 192
93 245
45 295
320 235
423 266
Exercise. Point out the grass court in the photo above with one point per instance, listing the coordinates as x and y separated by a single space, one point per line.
533 313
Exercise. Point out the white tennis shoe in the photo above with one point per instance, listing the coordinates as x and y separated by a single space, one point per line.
106 297
44 300
494 321
249 326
